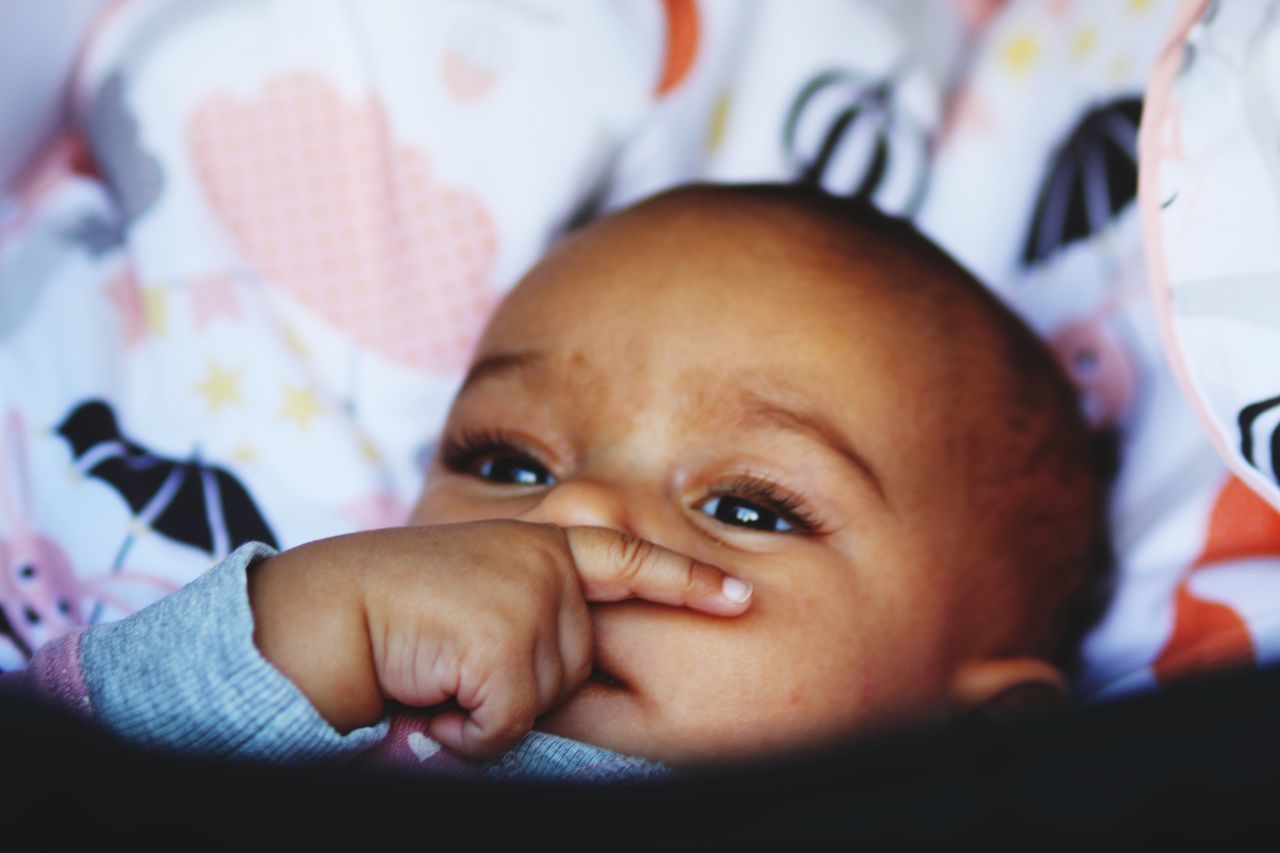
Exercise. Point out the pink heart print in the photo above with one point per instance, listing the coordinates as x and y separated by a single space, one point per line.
326 205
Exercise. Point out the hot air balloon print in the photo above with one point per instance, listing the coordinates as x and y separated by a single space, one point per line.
1092 177
847 133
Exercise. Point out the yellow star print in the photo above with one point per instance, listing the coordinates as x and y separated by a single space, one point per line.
1083 43
1118 70
220 388
1020 52
155 309
293 341
300 406
245 453
719 120
370 450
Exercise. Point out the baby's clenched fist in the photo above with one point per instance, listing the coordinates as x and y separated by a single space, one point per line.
490 616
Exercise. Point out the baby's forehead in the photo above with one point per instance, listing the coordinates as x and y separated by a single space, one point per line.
728 369
727 255
732 287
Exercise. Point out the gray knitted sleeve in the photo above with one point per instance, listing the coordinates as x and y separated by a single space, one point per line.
185 674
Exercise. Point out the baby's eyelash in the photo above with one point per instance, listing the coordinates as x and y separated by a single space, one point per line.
462 451
789 506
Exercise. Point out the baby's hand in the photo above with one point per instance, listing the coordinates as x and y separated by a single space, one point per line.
492 615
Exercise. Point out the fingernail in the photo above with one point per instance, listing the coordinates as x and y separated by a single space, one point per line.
735 590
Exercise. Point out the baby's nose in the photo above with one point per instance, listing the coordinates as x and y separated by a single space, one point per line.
583 503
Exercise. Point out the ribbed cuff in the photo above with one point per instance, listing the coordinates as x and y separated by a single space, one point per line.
548 757
184 674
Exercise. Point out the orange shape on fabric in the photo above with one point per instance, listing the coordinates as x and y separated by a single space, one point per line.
1206 634
682 42
1241 525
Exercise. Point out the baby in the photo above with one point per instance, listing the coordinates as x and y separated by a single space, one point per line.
735 471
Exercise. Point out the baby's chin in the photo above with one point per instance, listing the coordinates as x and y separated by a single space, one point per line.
613 717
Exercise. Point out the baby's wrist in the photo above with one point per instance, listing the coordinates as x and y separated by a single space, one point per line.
309 624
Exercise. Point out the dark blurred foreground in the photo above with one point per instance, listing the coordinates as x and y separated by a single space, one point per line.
1198 764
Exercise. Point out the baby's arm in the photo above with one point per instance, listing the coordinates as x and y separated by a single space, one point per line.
492 615
184 674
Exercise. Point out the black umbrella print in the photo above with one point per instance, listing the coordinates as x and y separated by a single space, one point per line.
185 500
846 133
1091 178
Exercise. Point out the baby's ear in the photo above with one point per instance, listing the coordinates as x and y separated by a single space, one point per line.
1005 687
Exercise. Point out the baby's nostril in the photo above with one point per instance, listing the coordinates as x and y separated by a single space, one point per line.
598 674
33 617
64 607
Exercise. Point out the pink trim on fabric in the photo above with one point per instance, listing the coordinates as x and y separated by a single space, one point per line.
55 673
977 15
57 162
51 168
1151 153
78 87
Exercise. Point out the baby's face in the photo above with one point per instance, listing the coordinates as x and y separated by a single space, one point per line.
693 382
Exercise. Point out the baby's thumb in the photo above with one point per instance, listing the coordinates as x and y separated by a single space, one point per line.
615 566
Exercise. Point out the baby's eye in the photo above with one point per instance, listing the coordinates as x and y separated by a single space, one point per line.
743 513
494 457
514 469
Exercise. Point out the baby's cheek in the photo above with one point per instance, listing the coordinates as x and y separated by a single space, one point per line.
444 502
856 655
815 668
429 505
795 708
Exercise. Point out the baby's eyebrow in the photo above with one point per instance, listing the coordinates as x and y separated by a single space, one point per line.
492 365
760 410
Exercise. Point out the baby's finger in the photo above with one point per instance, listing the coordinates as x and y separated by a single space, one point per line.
576 643
614 566
445 729
497 715
549 670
